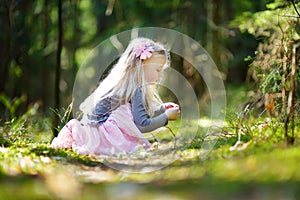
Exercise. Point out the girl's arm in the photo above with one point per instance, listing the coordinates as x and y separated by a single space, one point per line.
159 110
141 118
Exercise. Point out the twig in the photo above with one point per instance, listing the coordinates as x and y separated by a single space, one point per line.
156 141
173 136
295 7
291 16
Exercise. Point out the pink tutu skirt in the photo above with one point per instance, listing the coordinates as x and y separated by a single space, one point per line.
117 134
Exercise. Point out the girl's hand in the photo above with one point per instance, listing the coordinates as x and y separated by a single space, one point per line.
173 113
170 105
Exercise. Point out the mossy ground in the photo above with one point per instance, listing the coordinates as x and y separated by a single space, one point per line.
258 168
212 166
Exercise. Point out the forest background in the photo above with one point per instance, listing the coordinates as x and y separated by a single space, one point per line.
41 55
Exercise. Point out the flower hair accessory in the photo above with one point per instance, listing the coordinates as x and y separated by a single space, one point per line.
143 52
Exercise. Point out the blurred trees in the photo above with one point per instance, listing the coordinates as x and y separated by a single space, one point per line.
30 33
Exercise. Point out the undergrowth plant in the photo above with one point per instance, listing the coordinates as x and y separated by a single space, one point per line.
64 116
275 65
14 127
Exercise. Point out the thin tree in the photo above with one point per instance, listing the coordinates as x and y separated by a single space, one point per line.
5 40
58 68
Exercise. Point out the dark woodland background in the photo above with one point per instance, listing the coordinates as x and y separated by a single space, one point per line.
44 42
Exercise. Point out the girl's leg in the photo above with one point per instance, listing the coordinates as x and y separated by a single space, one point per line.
65 138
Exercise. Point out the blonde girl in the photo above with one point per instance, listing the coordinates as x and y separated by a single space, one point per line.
124 106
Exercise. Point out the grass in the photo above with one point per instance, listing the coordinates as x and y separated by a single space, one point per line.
259 167
36 171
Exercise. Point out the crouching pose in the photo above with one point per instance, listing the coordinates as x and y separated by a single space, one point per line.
124 106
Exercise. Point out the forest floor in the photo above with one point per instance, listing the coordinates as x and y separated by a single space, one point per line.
254 169
212 163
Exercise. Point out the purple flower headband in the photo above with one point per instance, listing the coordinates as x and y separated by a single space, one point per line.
143 52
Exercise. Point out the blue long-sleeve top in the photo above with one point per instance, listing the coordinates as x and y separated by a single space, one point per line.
142 120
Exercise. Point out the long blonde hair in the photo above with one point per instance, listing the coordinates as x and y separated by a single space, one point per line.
126 77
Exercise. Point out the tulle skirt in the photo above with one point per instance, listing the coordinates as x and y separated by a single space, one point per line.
117 134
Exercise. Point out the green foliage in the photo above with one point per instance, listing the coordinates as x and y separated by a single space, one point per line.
12 105
64 117
275 64
15 128
275 28
69 156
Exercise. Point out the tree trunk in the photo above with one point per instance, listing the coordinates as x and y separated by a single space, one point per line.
290 119
45 72
213 40
76 38
5 41
58 68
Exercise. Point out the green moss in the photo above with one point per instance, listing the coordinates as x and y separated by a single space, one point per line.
259 162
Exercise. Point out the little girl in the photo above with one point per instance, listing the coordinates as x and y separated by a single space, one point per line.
124 105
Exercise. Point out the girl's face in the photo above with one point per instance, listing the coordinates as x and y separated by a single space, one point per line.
153 67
